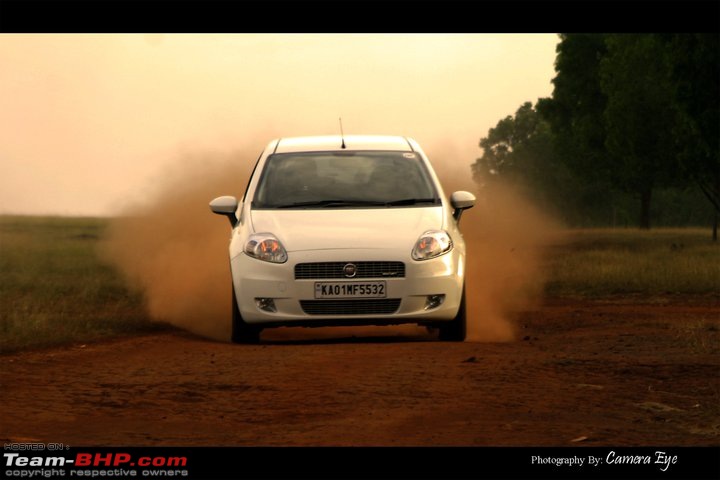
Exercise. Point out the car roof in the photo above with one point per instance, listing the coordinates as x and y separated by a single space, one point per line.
334 142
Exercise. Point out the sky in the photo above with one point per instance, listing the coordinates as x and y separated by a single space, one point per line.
89 122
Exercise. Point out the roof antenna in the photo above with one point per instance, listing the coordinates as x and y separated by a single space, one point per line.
342 135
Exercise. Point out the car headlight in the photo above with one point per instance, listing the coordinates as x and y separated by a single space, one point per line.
431 244
264 246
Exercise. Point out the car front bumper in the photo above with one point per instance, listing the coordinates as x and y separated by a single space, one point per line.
254 279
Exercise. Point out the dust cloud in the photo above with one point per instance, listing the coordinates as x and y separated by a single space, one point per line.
175 250
506 237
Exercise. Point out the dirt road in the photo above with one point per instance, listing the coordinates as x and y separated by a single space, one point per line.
604 373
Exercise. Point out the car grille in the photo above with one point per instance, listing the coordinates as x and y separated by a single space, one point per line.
320 270
350 307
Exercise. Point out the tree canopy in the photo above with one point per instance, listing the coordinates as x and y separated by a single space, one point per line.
633 118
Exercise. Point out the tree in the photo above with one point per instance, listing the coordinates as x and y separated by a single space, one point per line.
575 115
518 150
576 108
695 76
630 116
505 144
639 116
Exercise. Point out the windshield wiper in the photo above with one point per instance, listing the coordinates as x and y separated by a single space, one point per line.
356 203
410 201
332 203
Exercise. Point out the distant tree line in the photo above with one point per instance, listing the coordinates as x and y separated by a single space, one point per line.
630 136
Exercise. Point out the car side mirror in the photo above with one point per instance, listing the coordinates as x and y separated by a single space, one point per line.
460 202
227 206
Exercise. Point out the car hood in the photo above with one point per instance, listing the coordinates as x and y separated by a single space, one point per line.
320 229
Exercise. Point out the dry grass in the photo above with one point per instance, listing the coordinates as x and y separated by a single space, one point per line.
54 289
697 336
603 262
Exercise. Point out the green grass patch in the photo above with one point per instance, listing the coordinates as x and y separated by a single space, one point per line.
603 262
54 289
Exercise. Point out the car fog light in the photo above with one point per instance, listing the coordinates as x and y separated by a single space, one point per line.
434 301
266 304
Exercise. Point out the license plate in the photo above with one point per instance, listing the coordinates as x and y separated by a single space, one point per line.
350 290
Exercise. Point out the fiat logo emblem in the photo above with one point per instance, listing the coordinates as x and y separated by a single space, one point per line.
350 270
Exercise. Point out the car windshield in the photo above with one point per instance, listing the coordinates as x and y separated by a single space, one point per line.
344 179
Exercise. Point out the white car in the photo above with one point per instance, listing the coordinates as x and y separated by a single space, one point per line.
351 230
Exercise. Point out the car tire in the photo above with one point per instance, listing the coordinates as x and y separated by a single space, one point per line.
241 331
456 329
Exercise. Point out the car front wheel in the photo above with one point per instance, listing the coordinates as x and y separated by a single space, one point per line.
241 331
456 329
